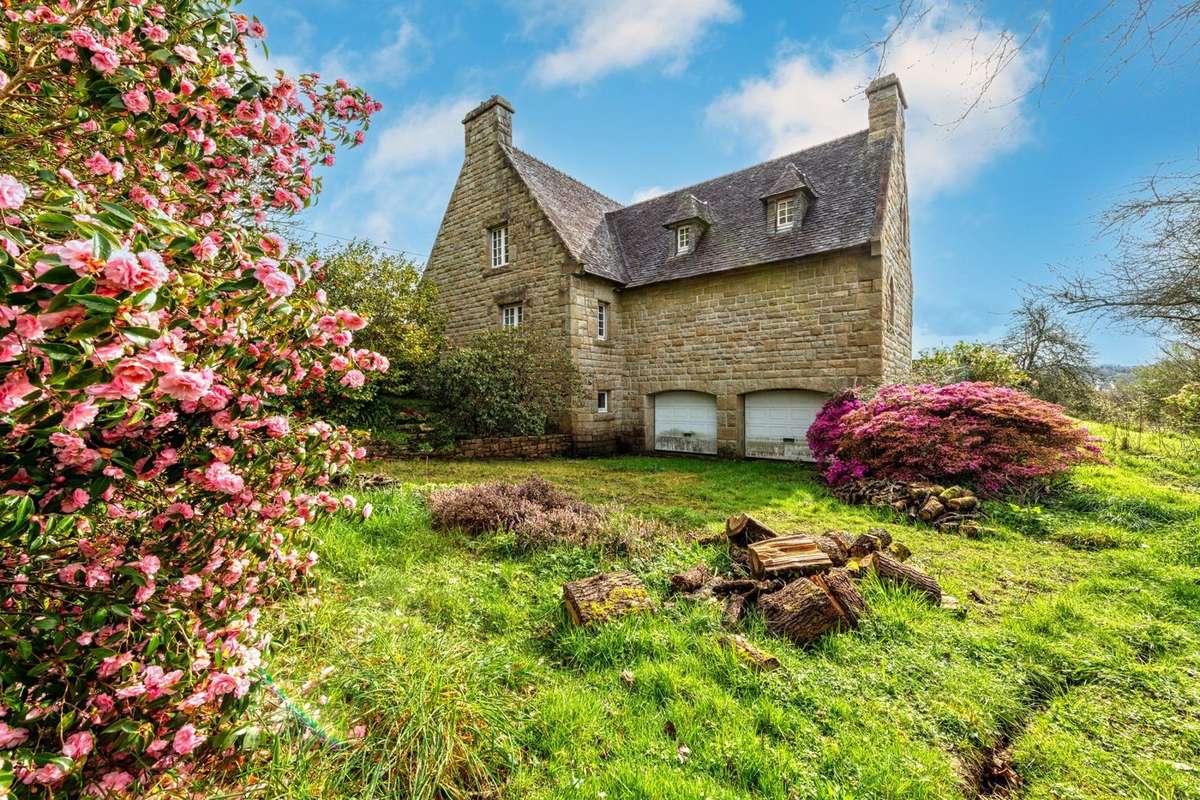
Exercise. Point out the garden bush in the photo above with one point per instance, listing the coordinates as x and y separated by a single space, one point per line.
155 482
505 383
535 510
990 437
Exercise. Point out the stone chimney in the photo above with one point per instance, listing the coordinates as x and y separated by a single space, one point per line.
885 107
489 123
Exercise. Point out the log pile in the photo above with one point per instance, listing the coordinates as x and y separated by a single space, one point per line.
950 508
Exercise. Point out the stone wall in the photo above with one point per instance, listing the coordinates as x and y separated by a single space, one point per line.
808 324
601 363
554 444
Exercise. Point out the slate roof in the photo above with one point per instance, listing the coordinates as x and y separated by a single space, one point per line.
628 244
790 180
689 208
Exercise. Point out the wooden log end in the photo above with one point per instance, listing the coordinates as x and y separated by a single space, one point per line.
603 597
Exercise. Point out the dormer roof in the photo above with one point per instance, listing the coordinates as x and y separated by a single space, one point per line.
790 181
689 209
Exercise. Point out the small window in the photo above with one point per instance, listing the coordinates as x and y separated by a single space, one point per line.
784 214
602 402
602 321
499 237
511 316
683 238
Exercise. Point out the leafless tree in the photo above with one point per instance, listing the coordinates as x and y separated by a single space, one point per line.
1051 351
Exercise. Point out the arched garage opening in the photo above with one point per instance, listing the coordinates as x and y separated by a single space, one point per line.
777 422
685 422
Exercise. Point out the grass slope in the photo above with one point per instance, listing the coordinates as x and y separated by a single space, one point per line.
455 655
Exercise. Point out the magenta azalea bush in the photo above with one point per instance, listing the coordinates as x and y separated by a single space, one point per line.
156 487
986 436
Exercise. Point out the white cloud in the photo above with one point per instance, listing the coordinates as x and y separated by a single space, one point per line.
647 193
424 133
612 35
405 52
946 63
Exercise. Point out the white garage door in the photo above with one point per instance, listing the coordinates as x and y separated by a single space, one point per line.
777 423
685 422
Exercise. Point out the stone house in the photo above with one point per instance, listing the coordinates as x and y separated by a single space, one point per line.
713 319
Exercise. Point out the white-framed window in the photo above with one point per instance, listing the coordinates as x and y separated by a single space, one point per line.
602 401
602 321
785 211
511 316
499 239
683 238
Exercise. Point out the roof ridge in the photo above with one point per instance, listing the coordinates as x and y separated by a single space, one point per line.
566 175
692 186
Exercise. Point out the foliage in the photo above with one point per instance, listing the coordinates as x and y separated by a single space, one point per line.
406 328
534 510
155 485
1054 355
449 655
968 361
991 437
1185 407
505 383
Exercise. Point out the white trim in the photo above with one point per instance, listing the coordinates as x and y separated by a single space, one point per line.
602 320
785 214
498 237
511 316
602 401
683 239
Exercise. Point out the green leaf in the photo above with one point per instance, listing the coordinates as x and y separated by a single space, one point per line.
84 378
142 336
89 328
95 302
55 221
59 276
59 351
249 282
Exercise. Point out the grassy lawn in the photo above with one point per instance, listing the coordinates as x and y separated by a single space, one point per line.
1083 664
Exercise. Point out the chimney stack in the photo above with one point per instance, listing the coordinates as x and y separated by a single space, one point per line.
885 107
489 123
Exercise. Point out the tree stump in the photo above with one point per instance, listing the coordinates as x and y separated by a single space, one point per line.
744 530
758 659
802 611
787 555
895 572
604 597
691 580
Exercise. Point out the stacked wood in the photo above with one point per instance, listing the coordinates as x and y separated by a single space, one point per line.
836 545
870 542
951 508
893 571
691 580
741 646
794 555
605 596
807 608
744 530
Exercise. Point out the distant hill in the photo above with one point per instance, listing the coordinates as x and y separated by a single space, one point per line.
1108 374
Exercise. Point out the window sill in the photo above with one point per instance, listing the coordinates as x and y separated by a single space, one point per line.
490 270
598 342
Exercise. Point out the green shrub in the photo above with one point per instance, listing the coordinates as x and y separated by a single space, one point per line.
505 383
967 361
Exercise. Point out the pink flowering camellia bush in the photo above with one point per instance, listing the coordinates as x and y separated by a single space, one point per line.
987 436
156 487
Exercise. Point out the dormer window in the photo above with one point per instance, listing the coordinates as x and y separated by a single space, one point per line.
683 239
785 211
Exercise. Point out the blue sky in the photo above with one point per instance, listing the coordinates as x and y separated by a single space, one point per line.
639 96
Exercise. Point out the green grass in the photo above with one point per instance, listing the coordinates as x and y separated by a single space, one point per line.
455 654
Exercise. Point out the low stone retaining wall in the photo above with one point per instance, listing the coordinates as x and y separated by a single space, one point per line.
553 444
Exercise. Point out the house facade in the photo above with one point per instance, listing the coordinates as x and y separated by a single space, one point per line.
714 319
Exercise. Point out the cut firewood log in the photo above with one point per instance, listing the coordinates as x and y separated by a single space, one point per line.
757 658
735 609
963 504
931 509
605 596
841 589
802 611
899 551
884 537
745 586
787 555
865 543
835 548
691 580
893 571
744 530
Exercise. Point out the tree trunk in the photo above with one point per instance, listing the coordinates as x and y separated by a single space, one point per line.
893 571
758 659
787 555
604 597
801 611
691 580
744 530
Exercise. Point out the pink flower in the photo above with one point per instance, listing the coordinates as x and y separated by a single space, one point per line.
186 385
220 478
277 426
186 740
367 510
98 164
11 737
136 101
80 415
12 192
205 249
278 284
226 55
77 499
190 583
113 664
115 782
105 61
78 745
353 378
29 327
351 320
155 33
187 53
76 254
